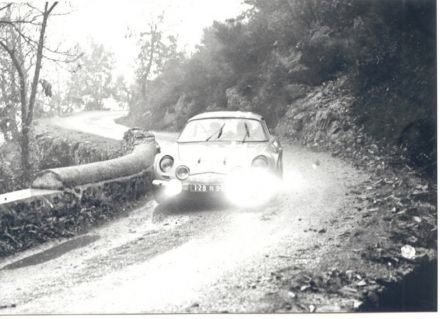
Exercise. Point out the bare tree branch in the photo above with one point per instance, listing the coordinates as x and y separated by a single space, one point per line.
34 43
6 6
33 8
63 13
38 62
52 7
18 22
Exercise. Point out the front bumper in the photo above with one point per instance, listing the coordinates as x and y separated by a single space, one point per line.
193 185
165 191
246 188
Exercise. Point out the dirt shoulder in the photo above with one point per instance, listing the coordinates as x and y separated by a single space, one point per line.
386 260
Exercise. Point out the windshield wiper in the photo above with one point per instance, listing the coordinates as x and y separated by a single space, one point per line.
219 133
247 134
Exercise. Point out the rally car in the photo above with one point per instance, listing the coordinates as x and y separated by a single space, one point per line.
228 154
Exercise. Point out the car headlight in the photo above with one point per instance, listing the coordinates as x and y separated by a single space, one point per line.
166 163
182 172
260 161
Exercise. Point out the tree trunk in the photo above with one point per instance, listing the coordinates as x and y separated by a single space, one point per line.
38 63
150 61
29 113
25 155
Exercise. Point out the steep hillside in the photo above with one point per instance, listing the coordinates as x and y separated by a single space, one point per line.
317 71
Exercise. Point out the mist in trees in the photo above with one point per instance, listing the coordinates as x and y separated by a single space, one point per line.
265 58
157 52
91 78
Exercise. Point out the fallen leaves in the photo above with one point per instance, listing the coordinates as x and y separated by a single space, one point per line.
19 231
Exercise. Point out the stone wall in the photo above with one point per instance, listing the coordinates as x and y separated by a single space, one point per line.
57 147
53 151
54 147
32 216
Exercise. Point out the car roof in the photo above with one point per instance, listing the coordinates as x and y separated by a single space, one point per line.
227 114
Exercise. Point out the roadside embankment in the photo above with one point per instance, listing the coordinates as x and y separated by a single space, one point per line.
373 265
384 261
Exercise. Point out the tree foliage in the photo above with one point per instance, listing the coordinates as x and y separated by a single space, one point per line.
267 57
157 52
91 78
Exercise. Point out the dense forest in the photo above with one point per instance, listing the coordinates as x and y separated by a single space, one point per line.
319 71
277 52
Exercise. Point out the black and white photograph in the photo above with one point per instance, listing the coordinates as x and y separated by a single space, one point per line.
218 157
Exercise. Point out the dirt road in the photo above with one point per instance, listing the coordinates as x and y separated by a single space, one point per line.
215 259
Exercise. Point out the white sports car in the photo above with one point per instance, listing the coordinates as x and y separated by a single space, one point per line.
228 154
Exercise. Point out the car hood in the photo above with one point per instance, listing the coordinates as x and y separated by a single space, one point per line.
216 155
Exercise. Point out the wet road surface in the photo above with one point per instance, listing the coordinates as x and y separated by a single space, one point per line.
206 259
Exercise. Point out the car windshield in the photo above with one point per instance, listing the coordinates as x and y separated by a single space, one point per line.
223 129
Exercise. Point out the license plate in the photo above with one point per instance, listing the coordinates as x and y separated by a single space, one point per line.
199 188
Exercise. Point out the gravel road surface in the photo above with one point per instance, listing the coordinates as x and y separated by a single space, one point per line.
205 259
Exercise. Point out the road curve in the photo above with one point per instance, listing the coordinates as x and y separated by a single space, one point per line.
207 259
